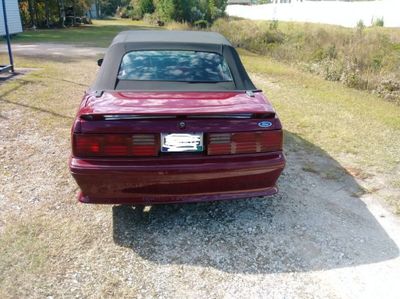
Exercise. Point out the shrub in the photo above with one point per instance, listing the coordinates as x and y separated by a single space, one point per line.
351 77
178 26
150 18
378 22
273 25
389 88
126 12
201 24
360 24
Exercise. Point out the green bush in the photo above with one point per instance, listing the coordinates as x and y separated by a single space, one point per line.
142 7
125 12
201 24
151 18
378 22
185 11
360 25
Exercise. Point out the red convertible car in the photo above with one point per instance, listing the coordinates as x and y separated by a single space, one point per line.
174 117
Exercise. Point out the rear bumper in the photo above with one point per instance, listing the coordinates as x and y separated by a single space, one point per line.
171 180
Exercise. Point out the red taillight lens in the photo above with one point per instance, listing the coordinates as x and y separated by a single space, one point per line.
244 142
115 145
87 144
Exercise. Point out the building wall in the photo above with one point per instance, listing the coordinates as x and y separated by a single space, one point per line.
344 13
13 16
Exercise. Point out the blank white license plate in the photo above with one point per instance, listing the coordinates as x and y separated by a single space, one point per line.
181 142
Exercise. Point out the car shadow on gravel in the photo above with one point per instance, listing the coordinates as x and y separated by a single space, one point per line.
316 222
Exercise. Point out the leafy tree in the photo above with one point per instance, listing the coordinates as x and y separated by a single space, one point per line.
142 7
190 11
165 9
109 7
48 13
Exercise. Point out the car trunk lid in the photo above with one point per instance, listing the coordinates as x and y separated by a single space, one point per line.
178 104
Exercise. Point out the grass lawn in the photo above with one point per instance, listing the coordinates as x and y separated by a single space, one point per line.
339 119
99 34
360 130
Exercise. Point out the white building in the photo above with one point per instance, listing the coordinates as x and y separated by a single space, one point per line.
13 17
286 1
344 13
242 2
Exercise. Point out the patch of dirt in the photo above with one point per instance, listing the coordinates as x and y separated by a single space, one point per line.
358 173
265 82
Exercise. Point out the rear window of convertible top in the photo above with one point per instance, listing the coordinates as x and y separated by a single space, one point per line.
176 66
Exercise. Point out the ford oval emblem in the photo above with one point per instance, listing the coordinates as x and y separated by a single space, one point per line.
265 124
182 125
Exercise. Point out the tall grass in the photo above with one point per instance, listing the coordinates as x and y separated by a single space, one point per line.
362 58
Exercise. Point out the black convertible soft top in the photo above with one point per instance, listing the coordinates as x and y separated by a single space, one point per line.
170 36
139 40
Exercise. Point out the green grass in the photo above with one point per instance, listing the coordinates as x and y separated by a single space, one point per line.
339 119
99 34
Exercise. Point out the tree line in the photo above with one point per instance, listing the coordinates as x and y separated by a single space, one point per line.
188 11
60 13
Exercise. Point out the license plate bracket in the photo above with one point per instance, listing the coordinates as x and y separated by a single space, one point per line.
182 142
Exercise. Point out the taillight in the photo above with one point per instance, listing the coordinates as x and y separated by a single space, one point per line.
145 145
115 145
244 142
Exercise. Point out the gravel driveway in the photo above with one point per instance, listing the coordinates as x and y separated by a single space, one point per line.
53 50
320 237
